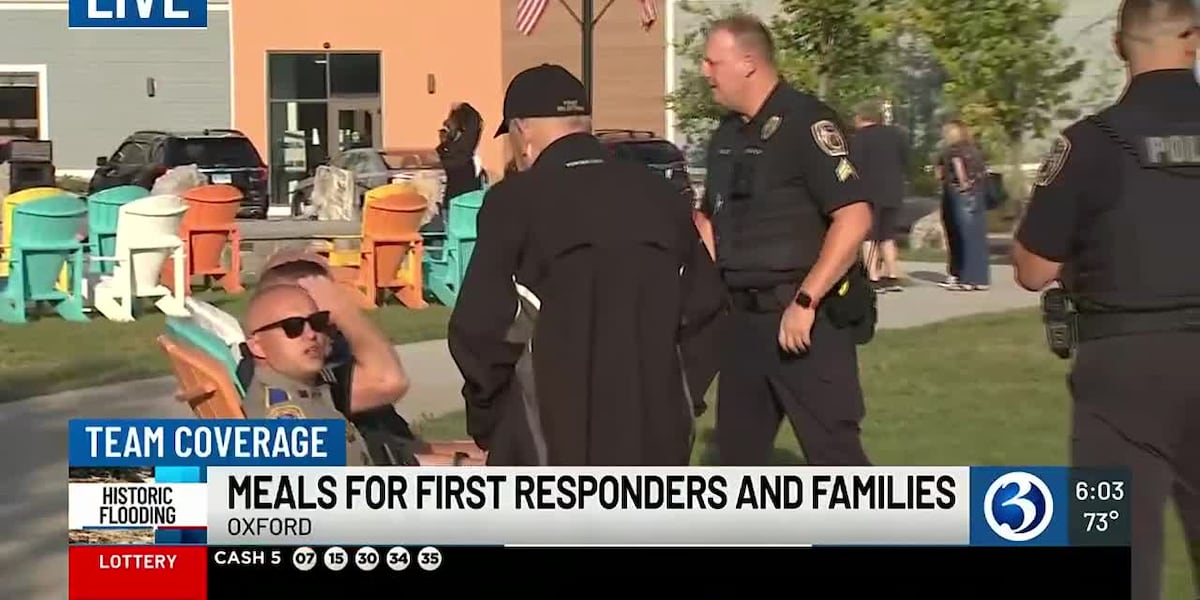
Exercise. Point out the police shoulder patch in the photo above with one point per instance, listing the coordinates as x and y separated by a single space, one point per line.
1053 163
285 411
829 138
770 127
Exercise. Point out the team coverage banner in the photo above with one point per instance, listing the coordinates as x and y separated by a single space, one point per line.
182 499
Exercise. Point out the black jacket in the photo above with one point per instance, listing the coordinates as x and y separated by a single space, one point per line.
626 290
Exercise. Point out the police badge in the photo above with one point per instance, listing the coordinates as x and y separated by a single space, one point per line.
829 138
770 127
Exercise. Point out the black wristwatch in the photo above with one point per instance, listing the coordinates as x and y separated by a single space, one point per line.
803 299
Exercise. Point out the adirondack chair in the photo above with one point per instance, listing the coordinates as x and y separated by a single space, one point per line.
147 234
44 240
210 226
188 332
220 323
204 383
348 257
390 252
11 202
104 208
448 253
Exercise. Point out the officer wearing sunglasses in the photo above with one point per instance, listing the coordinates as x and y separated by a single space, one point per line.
288 339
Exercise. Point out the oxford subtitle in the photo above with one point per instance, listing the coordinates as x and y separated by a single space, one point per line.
576 492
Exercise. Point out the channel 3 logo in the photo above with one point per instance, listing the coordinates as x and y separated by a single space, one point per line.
1018 506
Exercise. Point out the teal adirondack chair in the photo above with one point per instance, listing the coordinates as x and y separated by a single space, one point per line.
43 240
187 332
448 253
103 209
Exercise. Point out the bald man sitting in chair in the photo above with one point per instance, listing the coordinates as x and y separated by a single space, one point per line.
361 368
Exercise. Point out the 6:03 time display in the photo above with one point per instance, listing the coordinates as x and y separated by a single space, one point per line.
1101 490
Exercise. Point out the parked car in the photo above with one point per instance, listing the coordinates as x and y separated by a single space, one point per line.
373 167
223 155
653 151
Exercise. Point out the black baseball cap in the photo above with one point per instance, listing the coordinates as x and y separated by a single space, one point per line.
543 91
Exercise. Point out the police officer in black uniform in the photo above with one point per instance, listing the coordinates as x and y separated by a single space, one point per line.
790 215
608 258
1114 208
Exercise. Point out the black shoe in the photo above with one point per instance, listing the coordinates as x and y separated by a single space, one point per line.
892 284
878 286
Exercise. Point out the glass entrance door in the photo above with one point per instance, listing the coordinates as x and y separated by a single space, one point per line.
354 124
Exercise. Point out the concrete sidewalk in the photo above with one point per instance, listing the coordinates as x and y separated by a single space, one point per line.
33 503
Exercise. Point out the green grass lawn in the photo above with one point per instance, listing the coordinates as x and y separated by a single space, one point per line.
52 355
981 390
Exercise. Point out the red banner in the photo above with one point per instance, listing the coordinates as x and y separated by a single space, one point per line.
138 572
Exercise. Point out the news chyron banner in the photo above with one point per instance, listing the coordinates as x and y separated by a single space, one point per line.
207 508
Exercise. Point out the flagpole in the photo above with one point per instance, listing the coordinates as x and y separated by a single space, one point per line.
588 21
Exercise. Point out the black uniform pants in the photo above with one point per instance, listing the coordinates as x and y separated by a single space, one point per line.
1137 405
759 383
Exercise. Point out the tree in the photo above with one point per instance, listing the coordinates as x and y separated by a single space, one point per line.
842 51
696 114
1008 74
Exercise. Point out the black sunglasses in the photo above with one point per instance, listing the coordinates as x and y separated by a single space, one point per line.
293 327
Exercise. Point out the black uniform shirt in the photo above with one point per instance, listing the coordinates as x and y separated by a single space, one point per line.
881 154
796 142
1077 181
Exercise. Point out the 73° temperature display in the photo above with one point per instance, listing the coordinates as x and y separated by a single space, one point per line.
1100 506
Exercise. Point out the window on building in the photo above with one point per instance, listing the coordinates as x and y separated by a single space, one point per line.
298 76
19 105
353 74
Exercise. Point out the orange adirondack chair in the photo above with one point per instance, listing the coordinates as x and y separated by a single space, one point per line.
390 254
204 384
207 227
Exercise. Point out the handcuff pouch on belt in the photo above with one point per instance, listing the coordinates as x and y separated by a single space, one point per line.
1061 322
851 304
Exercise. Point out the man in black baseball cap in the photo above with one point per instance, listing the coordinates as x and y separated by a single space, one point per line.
544 103
598 261
544 91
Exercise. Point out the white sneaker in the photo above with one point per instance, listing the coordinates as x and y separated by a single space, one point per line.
949 282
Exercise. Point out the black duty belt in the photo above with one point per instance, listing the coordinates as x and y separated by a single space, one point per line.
765 299
1097 325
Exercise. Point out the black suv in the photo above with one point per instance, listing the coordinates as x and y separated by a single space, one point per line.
223 155
647 148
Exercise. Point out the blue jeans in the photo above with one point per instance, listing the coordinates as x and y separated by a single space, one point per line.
970 216
953 239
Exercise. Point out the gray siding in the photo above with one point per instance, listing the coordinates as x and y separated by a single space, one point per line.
96 80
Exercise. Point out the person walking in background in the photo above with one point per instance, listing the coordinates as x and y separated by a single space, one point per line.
881 153
964 177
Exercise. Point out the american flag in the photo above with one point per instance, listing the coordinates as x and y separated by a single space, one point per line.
529 12
649 13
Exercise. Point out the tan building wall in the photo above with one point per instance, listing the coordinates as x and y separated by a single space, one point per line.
473 63
628 62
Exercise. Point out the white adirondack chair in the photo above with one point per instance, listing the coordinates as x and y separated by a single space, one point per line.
147 235
219 322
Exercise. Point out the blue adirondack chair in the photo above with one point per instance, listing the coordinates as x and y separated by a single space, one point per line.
103 209
448 253
188 332
43 240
